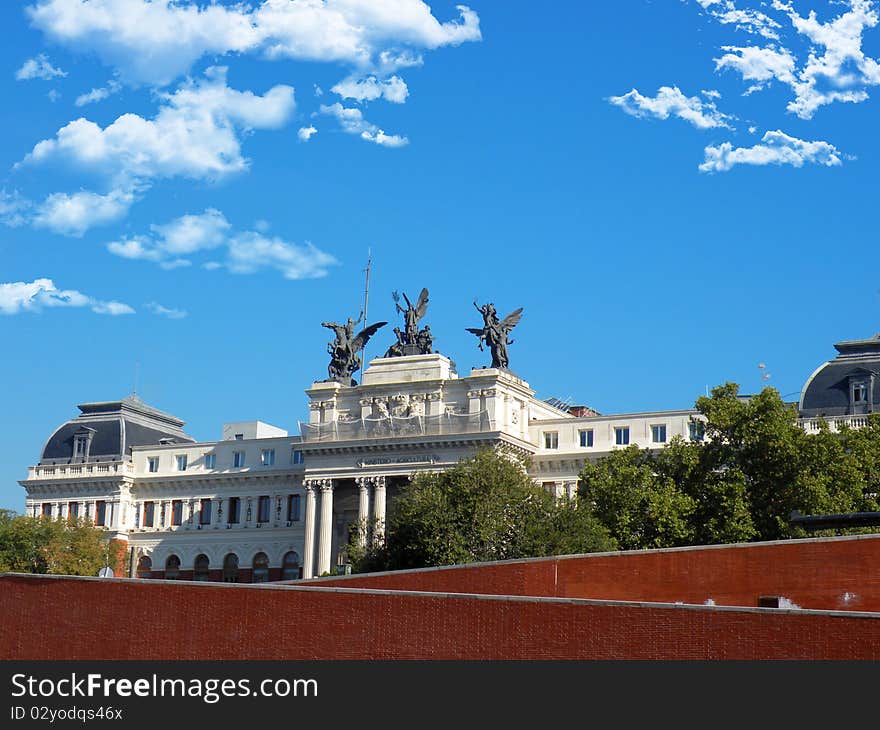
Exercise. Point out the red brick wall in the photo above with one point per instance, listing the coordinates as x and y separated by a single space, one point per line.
835 573
51 617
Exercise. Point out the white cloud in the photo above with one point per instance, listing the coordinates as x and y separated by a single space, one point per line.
154 42
73 214
836 69
98 94
305 133
759 64
842 71
169 312
393 89
670 101
711 93
776 148
191 233
33 296
194 134
251 251
15 210
751 21
352 121
245 251
39 68
53 95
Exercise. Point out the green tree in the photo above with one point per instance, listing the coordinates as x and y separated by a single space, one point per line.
484 508
640 507
753 468
41 545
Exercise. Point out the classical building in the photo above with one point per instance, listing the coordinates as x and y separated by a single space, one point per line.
261 505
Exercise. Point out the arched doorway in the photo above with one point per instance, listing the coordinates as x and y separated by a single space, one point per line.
201 568
145 567
261 568
290 569
230 568
172 567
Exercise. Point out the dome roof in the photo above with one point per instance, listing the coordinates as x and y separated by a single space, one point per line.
847 385
106 432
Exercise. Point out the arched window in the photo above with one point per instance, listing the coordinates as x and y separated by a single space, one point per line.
230 568
172 568
200 568
145 567
290 566
261 568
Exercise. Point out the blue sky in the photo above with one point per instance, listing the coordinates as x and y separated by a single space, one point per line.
673 191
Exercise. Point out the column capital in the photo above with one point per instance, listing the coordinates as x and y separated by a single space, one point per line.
379 481
363 482
326 485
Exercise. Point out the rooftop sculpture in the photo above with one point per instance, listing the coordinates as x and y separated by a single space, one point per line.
411 340
494 332
344 349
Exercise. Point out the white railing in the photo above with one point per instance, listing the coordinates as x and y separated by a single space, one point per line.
396 426
812 425
77 471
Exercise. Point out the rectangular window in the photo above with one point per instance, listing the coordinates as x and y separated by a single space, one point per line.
263 508
149 513
73 510
696 430
293 508
176 512
234 516
586 437
551 439
658 433
153 464
267 457
296 457
181 462
621 435
239 437
238 459
47 509
100 513
205 512
79 446
210 461
860 393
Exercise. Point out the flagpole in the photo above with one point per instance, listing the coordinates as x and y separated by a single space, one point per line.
363 356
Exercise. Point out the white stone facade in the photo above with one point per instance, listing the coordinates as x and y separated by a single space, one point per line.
298 497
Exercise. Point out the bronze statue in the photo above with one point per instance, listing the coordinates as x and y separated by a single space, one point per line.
411 341
494 332
344 349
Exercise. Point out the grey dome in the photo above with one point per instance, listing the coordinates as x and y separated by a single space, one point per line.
847 385
108 430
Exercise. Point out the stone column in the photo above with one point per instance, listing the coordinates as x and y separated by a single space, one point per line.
309 543
379 509
363 509
571 489
326 534
218 512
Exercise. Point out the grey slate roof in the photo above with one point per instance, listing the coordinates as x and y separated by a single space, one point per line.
827 391
116 426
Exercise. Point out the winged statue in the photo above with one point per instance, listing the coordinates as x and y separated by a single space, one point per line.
411 340
344 349
495 332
